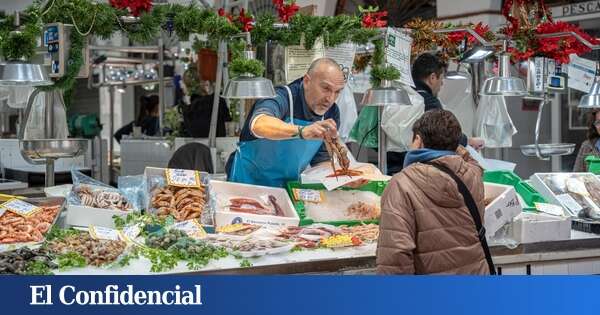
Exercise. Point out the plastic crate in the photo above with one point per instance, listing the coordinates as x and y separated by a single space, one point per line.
377 187
585 226
593 163
527 192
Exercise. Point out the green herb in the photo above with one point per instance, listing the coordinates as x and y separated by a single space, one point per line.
37 267
296 249
240 66
126 259
59 234
379 73
71 260
245 264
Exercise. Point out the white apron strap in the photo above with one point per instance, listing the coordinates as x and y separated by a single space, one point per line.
291 102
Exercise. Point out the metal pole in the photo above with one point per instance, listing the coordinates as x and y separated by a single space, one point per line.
49 172
111 131
222 58
161 86
381 151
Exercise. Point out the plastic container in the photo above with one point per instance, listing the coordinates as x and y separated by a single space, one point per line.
375 187
593 163
529 195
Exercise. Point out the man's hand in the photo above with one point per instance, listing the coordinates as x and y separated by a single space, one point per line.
319 129
476 143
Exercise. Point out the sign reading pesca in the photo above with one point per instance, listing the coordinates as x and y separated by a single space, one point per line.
574 9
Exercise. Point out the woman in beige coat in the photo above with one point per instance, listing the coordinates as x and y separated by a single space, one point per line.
425 226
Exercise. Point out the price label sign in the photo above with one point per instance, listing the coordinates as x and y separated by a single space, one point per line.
183 178
308 195
20 207
192 228
103 233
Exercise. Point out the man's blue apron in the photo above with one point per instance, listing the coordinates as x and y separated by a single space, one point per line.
273 162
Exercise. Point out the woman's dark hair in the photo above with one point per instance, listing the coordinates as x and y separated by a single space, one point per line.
439 129
148 104
592 133
426 64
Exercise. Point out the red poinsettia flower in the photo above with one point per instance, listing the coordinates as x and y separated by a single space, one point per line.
221 12
136 7
286 10
245 21
374 19
479 28
560 48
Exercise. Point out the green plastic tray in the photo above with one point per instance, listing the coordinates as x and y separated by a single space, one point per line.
376 187
529 194
593 163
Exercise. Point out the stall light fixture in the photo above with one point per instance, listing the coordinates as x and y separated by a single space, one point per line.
248 86
456 74
504 84
386 95
18 73
477 54
592 99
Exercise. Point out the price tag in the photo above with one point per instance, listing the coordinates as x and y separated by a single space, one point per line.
192 228
20 207
183 178
129 233
103 233
308 195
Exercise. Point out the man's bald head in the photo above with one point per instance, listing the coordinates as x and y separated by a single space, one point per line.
323 83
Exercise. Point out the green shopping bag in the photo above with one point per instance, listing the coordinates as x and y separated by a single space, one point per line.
364 130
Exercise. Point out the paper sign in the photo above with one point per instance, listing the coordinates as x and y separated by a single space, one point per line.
308 195
192 228
183 178
398 53
581 73
20 207
332 183
550 209
298 59
343 54
104 233
570 204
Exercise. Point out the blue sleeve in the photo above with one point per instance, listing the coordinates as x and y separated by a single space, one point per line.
275 107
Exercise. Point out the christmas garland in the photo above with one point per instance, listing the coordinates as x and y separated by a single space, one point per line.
104 19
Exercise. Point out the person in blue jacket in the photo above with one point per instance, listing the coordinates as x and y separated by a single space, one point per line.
283 135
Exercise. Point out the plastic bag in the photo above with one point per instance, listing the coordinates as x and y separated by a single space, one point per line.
504 237
19 95
348 112
155 182
36 122
457 97
398 121
364 131
133 188
493 123
130 194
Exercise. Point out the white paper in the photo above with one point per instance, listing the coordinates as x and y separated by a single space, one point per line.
398 53
343 54
550 209
490 164
298 59
581 73
332 183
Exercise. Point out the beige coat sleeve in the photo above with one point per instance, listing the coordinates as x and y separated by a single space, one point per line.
397 231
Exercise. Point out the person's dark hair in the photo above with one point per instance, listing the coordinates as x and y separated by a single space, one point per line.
439 129
426 64
148 104
592 133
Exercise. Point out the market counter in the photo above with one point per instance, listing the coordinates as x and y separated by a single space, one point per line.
580 255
